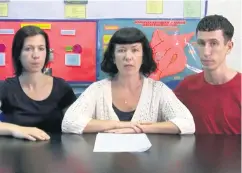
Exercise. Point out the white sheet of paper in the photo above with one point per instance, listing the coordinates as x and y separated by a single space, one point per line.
2 59
110 142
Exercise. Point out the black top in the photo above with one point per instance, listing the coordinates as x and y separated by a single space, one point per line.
47 114
123 116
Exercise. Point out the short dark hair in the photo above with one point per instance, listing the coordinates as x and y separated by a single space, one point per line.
216 22
18 42
128 35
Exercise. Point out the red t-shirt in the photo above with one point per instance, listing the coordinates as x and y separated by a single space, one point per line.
216 109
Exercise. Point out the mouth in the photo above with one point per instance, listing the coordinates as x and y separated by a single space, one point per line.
128 65
35 64
207 62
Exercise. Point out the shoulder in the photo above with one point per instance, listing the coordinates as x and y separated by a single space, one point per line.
60 83
61 89
191 81
156 86
160 91
100 85
234 83
193 78
95 89
237 78
10 83
59 80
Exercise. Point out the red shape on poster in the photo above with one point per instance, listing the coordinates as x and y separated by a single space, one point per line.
168 53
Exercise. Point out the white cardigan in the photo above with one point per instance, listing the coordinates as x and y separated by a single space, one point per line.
157 103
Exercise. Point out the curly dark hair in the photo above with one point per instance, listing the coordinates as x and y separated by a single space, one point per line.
216 22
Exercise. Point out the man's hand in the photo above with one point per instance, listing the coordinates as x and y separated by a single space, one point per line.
30 133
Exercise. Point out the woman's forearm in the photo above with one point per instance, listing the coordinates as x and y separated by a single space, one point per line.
100 126
6 129
161 127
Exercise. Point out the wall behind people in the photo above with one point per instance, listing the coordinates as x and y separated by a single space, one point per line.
222 7
231 10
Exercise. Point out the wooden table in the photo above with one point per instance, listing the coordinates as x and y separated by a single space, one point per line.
169 154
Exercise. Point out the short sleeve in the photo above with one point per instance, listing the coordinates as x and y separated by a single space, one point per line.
81 111
173 110
68 98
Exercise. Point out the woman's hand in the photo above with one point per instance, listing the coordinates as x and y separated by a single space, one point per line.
124 131
128 125
30 133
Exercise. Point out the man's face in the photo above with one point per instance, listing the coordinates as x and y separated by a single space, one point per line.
213 48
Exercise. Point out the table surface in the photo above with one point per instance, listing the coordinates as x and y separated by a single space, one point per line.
66 153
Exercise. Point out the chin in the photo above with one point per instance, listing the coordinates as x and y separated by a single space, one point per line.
129 74
34 71
209 68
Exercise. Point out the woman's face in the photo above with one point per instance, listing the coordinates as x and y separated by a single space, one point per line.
128 58
33 54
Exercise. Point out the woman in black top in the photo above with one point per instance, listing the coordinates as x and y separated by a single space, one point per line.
32 102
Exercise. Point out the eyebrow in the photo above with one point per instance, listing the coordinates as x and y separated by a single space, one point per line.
123 46
32 45
212 39
136 45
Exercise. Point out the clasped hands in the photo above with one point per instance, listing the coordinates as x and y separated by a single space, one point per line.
128 127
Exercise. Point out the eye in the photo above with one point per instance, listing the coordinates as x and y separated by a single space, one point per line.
42 48
135 50
121 50
27 49
213 43
200 43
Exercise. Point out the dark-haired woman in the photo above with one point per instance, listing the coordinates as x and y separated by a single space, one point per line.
32 102
128 101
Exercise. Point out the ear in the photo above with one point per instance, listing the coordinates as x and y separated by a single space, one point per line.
230 45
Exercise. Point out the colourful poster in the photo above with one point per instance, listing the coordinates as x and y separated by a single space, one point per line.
73 48
172 41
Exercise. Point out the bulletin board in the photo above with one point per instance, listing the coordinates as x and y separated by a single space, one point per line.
73 44
169 26
172 41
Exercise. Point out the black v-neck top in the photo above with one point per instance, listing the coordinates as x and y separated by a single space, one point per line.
47 114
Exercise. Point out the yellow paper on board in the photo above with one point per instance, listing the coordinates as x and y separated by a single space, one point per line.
106 39
40 25
3 9
75 11
154 6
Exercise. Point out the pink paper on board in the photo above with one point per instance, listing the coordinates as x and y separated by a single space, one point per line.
2 48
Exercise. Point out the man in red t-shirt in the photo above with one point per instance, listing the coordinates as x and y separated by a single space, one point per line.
213 96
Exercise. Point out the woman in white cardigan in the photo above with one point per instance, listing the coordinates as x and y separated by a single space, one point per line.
128 101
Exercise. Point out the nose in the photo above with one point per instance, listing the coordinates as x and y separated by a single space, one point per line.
35 54
128 55
207 50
